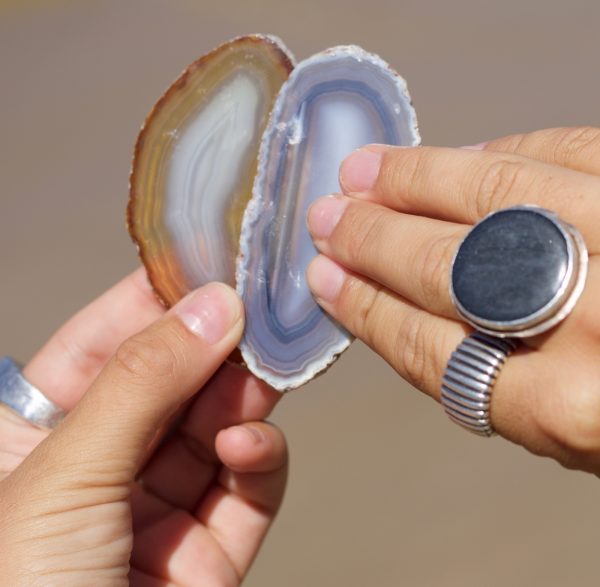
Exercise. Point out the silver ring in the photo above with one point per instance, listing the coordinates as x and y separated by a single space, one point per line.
518 272
26 400
470 377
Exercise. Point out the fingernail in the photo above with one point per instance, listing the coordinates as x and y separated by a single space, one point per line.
325 278
251 433
256 435
324 215
210 312
360 170
477 147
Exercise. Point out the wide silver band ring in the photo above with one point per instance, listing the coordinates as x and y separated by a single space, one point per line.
25 399
517 273
469 379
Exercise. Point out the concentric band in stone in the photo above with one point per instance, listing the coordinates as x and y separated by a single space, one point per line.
26 400
470 377
332 104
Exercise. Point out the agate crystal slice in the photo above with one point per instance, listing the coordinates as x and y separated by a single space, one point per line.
195 161
332 104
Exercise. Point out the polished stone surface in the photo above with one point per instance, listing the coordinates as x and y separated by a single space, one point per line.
374 464
195 162
333 103
510 266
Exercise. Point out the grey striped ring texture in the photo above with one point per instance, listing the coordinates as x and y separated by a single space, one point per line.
469 378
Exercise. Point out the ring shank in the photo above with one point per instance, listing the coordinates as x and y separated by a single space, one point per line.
469 378
25 399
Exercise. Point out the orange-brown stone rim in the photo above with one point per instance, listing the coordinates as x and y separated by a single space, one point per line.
286 63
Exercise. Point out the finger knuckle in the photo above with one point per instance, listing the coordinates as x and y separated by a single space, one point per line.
402 170
578 143
364 230
584 320
576 423
411 345
85 359
361 304
371 324
496 186
511 144
434 267
146 357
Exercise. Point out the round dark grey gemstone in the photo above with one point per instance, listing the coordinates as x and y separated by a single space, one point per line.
510 266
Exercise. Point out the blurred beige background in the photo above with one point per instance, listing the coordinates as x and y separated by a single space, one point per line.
383 490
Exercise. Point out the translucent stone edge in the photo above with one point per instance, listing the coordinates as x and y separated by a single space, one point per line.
280 382
288 61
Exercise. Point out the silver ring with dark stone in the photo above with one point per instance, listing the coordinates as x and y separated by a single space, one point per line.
470 377
25 399
518 272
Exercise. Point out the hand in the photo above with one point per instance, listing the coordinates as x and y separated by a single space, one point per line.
387 246
99 501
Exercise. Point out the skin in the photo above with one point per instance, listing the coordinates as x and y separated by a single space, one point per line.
387 244
106 498
99 501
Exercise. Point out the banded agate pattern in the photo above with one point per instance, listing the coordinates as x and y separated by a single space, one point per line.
195 161
333 103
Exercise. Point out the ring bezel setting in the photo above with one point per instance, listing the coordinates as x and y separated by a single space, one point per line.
561 303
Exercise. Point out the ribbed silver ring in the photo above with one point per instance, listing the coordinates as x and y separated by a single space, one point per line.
25 399
469 378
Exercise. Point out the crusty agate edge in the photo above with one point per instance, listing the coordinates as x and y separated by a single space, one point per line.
287 61
253 208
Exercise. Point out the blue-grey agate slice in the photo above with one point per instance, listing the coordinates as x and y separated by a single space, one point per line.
333 103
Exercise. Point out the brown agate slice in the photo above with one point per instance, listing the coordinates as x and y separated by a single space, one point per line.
195 162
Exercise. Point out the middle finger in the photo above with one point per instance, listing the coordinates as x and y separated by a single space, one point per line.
464 186
185 465
410 255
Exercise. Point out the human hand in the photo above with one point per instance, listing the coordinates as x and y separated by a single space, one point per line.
98 501
388 244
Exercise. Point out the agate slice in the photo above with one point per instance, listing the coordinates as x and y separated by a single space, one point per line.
195 161
332 104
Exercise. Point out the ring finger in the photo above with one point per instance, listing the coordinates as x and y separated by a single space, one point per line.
412 256
418 345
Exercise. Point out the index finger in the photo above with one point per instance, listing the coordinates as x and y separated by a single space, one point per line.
67 364
577 147
464 185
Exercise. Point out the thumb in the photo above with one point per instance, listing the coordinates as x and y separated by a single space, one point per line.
150 376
